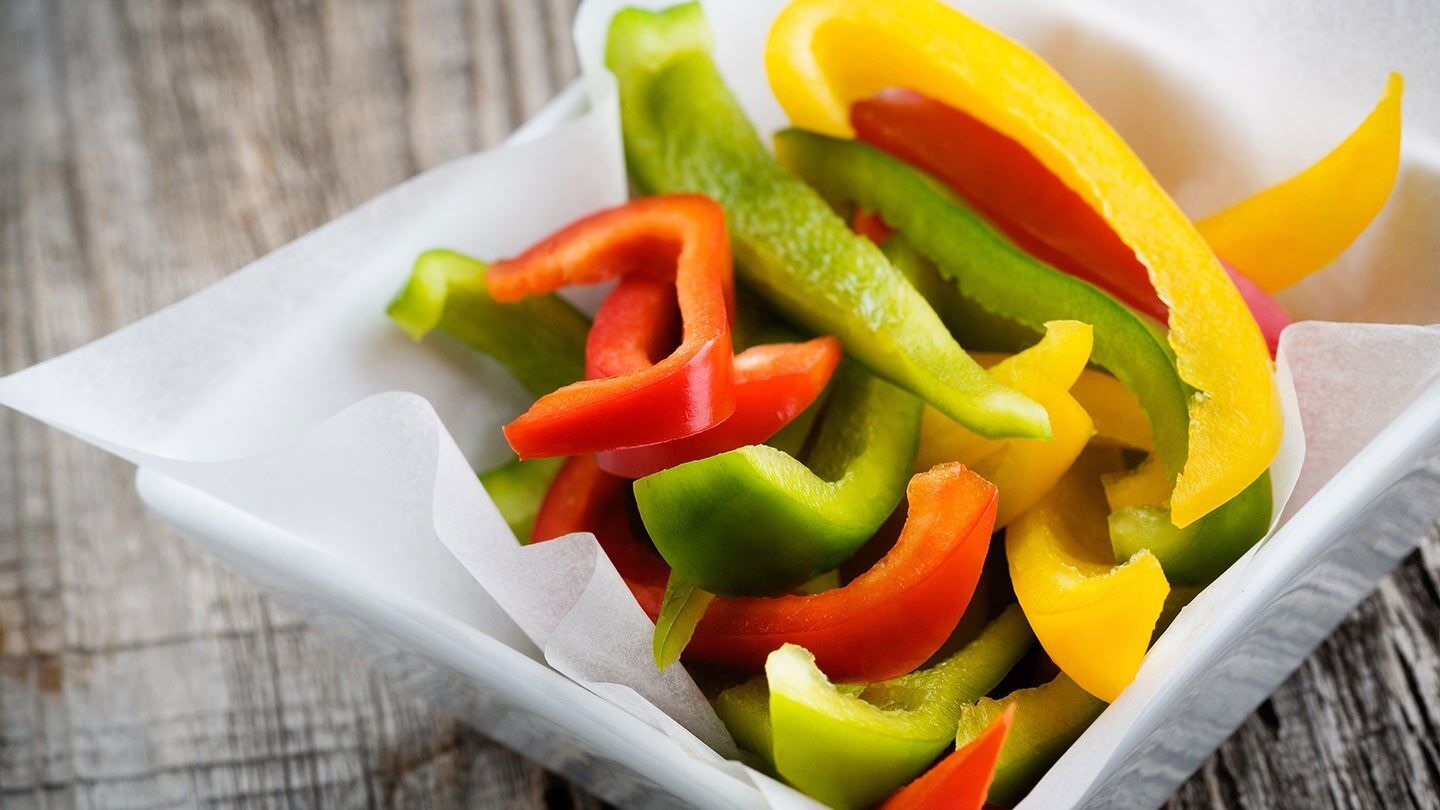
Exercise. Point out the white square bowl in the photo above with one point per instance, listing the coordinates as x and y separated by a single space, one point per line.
1278 607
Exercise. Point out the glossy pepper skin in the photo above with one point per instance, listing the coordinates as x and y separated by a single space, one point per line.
1047 719
1023 470
1093 617
684 132
773 382
884 623
890 619
1027 203
961 780
680 238
758 521
823 55
540 340
1005 282
853 746
1292 229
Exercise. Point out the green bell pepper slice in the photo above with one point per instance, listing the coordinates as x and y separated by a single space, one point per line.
1009 284
684 132
1048 718
756 520
1200 552
851 746
540 340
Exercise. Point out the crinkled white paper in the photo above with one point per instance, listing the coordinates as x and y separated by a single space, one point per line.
285 392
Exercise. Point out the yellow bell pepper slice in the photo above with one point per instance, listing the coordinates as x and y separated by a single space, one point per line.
1146 485
1094 618
823 55
1292 229
1022 470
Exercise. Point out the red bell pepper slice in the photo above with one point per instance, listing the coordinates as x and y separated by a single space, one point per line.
961 780
883 624
1015 191
773 383
890 619
678 238
585 498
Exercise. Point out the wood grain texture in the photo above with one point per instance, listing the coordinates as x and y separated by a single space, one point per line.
147 148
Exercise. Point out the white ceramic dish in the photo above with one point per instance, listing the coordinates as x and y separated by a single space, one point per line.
1270 613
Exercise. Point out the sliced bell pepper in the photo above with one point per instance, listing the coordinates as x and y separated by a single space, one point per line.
1119 419
1005 283
678 237
882 624
1047 719
852 749
890 619
680 612
961 780
773 382
1290 230
1023 470
757 521
685 132
823 55
1093 617
1018 195
540 340
1195 555
1006 184
585 498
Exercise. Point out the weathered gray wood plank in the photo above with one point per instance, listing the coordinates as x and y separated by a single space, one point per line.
148 147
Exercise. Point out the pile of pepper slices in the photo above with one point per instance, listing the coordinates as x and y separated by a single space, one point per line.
810 518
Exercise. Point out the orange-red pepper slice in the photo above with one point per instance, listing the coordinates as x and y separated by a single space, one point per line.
679 238
884 623
960 781
638 322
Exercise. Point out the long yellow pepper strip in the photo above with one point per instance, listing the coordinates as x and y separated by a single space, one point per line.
1294 228
1022 470
823 55
1093 618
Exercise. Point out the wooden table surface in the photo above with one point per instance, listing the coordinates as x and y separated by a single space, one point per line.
149 147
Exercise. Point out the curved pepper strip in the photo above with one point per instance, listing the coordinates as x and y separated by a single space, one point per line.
585 498
757 521
1292 229
962 780
882 624
1195 555
1009 187
823 55
1023 470
890 619
1116 412
1018 195
685 132
773 383
679 237
854 749
540 340
1046 720
1093 618
1006 284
